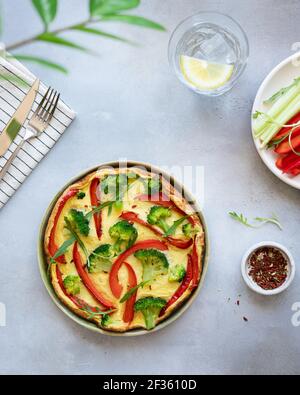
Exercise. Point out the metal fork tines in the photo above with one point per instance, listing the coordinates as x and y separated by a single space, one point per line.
38 123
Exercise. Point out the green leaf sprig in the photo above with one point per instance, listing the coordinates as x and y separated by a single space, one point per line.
91 314
175 225
74 234
133 290
100 11
47 9
262 221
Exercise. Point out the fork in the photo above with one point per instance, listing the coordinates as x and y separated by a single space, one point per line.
37 124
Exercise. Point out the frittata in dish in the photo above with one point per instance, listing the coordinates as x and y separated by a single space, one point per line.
124 248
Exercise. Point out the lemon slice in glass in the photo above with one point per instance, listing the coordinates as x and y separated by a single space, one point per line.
205 75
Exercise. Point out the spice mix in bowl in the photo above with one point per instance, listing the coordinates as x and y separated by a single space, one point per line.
268 268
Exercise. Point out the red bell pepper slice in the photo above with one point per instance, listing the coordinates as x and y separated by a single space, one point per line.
195 261
161 199
133 217
290 162
132 282
295 172
283 131
95 201
182 288
115 286
87 281
182 244
279 163
286 146
52 247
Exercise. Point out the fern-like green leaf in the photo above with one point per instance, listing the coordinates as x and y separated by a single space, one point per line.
134 20
99 8
54 39
98 32
47 10
42 62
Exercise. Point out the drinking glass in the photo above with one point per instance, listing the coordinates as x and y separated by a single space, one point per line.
214 39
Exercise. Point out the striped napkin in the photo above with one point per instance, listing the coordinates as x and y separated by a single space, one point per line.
11 95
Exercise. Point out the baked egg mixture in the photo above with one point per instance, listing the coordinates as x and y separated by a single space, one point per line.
124 249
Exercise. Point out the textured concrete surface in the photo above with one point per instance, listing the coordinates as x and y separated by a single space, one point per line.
131 106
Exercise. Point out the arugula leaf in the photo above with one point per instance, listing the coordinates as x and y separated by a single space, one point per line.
98 209
105 7
133 290
63 249
134 20
41 61
73 232
94 314
175 225
244 221
47 10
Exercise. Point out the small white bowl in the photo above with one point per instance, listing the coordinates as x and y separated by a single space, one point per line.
252 284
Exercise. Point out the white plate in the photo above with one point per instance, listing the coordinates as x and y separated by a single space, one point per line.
281 76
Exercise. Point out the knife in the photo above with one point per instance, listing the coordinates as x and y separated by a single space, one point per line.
15 124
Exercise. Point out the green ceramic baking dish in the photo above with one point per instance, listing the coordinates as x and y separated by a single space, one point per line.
43 263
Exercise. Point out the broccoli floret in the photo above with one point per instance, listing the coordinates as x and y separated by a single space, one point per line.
153 185
105 319
124 234
177 273
79 222
157 216
188 230
72 284
154 263
100 259
150 308
80 195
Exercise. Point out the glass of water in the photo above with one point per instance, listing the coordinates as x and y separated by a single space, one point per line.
209 52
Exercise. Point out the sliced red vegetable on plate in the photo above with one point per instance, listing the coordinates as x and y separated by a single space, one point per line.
129 307
52 247
87 280
95 201
115 286
295 172
133 217
282 132
287 146
290 162
183 286
279 162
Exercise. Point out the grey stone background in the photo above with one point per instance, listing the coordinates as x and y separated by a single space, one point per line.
131 106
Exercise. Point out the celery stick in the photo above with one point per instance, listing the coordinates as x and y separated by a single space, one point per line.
289 112
279 106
